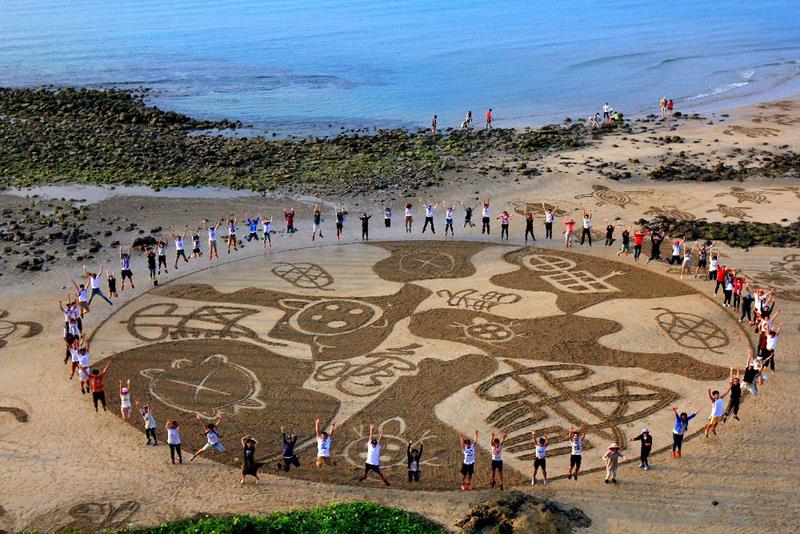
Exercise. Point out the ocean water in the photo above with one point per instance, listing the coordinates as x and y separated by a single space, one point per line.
315 67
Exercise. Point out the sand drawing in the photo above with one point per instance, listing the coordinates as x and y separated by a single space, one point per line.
787 189
426 261
369 377
10 328
158 322
303 275
474 299
522 207
427 264
691 330
100 516
671 212
735 212
560 274
743 195
784 276
486 331
19 414
205 388
530 396
395 441
604 195
751 131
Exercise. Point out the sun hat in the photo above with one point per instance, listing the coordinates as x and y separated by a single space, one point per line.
613 446
124 390
645 430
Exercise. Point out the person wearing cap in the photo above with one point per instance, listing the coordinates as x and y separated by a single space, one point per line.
611 458
373 456
647 446
125 400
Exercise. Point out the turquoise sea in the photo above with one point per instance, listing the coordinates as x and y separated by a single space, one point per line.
305 67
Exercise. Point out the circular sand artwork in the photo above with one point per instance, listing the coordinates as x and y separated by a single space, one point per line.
426 341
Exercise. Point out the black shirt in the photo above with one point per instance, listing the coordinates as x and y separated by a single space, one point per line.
609 231
647 441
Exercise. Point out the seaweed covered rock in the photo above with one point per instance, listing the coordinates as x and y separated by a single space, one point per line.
742 234
682 171
517 512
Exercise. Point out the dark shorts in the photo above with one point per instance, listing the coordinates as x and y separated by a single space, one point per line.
497 465
575 461
387 223
196 250
467 469
370 467
702 263
126 273
540 462
292 460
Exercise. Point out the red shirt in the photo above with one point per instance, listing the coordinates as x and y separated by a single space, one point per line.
721 272
570 224
638 238
96 382
489 116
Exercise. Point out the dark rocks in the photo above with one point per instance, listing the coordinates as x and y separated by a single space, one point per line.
142 242
740 234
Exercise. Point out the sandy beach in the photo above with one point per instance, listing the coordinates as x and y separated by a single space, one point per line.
64 466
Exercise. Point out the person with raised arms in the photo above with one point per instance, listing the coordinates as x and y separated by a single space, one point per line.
323 444
212 238
373 462
468 466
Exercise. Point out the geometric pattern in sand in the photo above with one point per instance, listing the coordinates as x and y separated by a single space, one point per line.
425 340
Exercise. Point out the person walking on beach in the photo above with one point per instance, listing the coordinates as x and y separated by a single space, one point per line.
249 465
496 446
611 459
365 226
125 267
529 226
339 223
373 462
149 423
569 227
489 119
212 437
317 221
125 400
212 238
575 437
647 446
94 283
735 397
409 217
587 227
429 211
433 126
717 410
266 226
663 105
174 441
288 456
232 234
323 444
413 458
549 218
680 429
626 242
468 466
448 219
252 227
504 219
540 458
485 217
179 250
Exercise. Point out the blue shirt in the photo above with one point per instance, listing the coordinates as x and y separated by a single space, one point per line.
680 426
253 224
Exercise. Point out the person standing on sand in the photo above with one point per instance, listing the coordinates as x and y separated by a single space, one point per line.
149 423
717 410
702 259
112 285
638 241
529 226
587 227
288 217
647 446
365 226
266 226
468 466
607 110
174 441
232 234
96 378
505 219
680 429
179 250
196 252
576 438
387 214
489 119
656 237
429 211
433 126
549 218
151 264
448 219
736 395
496 446
485 217
670 105
339 222
249 464
316 225
373 462
609 233
413 457
323 444
125 400
626 242
212 238
540 459
409 217
663 105
611 459
212 438
569 227
125 267
468 215
289 457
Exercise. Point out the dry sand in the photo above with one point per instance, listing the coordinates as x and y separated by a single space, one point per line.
67 466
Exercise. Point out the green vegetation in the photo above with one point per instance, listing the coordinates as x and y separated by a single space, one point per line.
349 518
742 234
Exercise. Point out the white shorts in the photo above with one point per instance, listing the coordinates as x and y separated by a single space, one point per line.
317 228
82 375
209 446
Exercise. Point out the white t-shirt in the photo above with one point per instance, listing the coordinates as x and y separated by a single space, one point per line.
541 452
212 234
178 243
83 360
324 447
469 454
149 420
82 295
549 217
75 355
173 436
485 211
373 453
212 437
497 453
772 342
607 108
267 226
713 265
95 280
125 400
587 222
676 249
577 446
449 215
719 408
429 210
